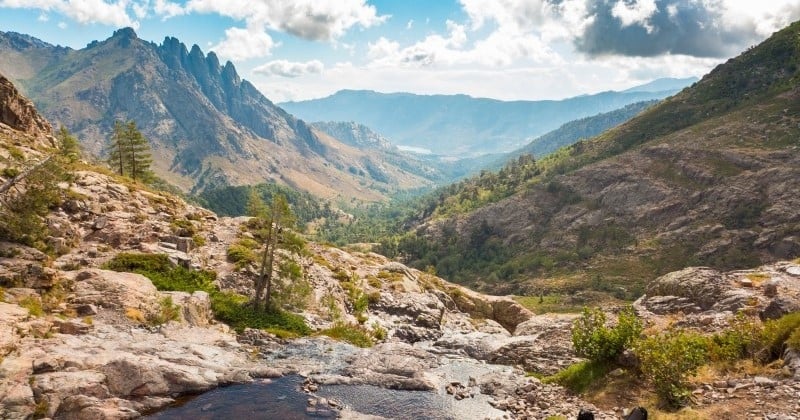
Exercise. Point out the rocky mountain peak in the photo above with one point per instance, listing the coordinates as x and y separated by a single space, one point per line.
127 32
18 112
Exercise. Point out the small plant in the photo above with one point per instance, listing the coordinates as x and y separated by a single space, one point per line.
198 240
135 315
378 333
168 311
356 335
88 320
668 360
10 172
33 305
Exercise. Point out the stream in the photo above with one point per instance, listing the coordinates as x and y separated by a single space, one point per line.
283 398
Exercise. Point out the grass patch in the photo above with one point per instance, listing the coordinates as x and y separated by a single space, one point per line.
551 303
580 376
235 310
33 305
351 333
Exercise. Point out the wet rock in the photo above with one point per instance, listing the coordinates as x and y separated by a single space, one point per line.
394 366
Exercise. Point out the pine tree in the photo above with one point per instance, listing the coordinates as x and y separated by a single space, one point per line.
272 220
116 149
129 152
139 157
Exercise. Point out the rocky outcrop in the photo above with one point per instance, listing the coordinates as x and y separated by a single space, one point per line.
19 113
699 297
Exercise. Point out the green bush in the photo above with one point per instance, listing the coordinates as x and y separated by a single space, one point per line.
595 341
240 254
669 359
162 273
741 340
351 333
579 376
781 332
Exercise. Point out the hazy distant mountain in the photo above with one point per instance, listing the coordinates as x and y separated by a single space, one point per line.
207 126
661 85
460 125
583 128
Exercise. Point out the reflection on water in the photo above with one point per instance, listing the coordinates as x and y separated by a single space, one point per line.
280 398
376 401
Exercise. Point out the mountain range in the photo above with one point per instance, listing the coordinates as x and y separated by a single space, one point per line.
707 177
207 126
463 126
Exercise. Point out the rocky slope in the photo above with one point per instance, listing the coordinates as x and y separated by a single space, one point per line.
708 177
207 126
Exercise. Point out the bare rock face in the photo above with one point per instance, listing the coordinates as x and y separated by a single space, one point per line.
195 307
695 288
18 112
394 366
116 290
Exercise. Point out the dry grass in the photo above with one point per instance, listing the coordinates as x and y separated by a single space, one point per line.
758 278
135 315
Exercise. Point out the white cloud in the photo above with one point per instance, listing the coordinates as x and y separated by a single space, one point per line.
638 12
167 9
81 11
290 69
410 24
308 19
62 25
241 44
43 17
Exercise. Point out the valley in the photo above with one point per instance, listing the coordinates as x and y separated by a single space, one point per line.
623 249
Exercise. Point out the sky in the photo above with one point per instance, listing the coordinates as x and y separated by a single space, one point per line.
503 49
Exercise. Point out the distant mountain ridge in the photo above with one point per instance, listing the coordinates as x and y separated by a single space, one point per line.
460 125
208 127
707 177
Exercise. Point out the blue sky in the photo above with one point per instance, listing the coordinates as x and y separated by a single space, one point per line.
505 49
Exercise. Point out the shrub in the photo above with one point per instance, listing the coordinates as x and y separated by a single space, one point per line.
241 255
351 333
595 341
162 273
778 333
742 339
668 360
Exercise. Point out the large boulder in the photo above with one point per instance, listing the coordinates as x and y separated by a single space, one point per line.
114 290
693 289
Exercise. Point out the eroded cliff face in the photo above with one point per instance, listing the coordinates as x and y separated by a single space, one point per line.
19 114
